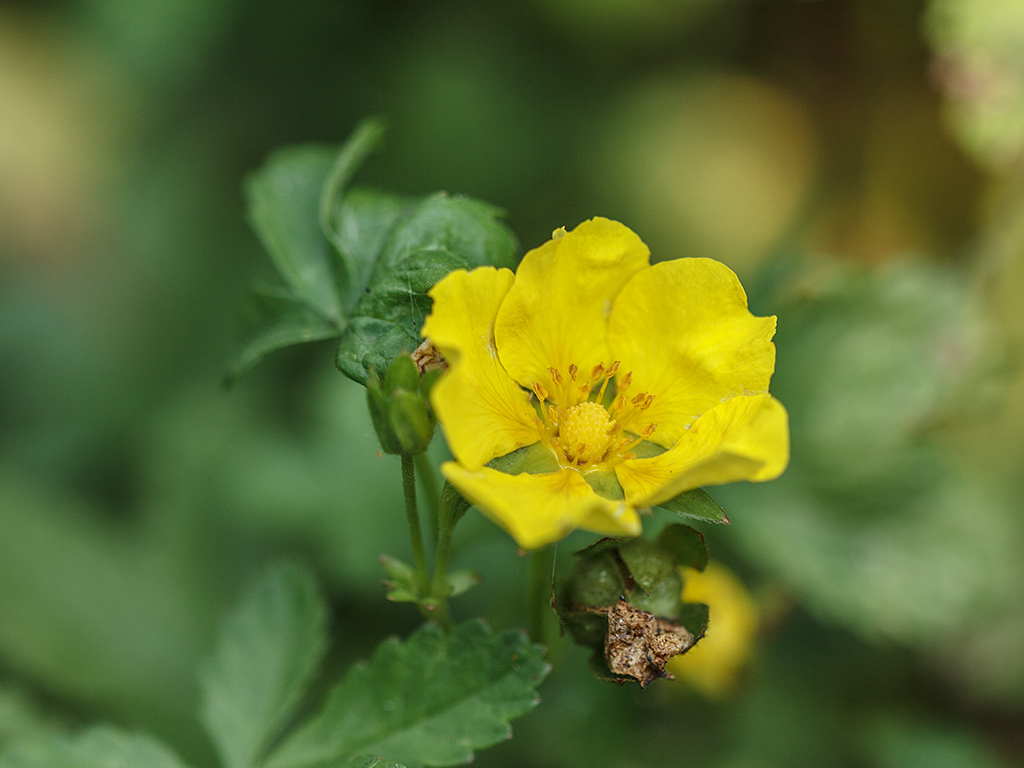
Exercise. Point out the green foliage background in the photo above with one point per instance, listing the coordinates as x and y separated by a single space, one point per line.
856 162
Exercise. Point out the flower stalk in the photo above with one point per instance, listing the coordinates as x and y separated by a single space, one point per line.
412 517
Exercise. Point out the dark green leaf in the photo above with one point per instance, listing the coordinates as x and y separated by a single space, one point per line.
284 201
431 700
694 616
697 504
272 319
648 563
686 545
362 223
440 234
369 344
268 648
97 748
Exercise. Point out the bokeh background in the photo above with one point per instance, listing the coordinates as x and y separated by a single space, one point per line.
857 162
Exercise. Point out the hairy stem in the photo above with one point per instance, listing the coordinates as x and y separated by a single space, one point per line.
538 592
412 516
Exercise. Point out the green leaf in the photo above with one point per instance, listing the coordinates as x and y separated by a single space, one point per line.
694 616
697 504
400 581
367 761
461 581
268 649
362 222
102 747
364 139
686 544
533 459
284 201
439 234
431 700
648 563
272 319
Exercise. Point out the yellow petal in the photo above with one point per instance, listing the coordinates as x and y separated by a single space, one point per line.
482 410
745 438
540 509
683 329
556 314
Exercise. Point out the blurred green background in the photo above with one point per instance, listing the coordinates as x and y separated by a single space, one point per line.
857 162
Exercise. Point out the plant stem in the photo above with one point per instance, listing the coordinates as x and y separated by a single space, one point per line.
412 516
445 526
429 482
538 592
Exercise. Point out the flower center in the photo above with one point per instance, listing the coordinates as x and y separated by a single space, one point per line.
583 432
586 432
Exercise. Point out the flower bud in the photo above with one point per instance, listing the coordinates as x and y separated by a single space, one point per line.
399 409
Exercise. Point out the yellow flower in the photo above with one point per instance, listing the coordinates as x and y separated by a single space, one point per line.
633 383
713 665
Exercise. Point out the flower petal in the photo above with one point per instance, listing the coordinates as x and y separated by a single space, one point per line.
483 411
540 509
684 331
745 438
556 314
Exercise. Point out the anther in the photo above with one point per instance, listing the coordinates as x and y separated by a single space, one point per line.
539 391
597 372
555 375
625 381
647 403
573 370
612 369
639 398
583 392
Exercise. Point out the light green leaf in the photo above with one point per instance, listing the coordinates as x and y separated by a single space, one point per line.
400 580
272 319
97 748
284 201
367 761
429 701
696 504
268 648
461 581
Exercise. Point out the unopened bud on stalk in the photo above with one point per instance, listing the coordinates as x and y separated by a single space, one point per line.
400 408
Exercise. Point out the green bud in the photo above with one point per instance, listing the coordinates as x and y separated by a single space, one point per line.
402 376
429 380
401 416
378 407
411 422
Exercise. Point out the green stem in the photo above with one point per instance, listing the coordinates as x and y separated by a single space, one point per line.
538 592
429 483
446 524
412 516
